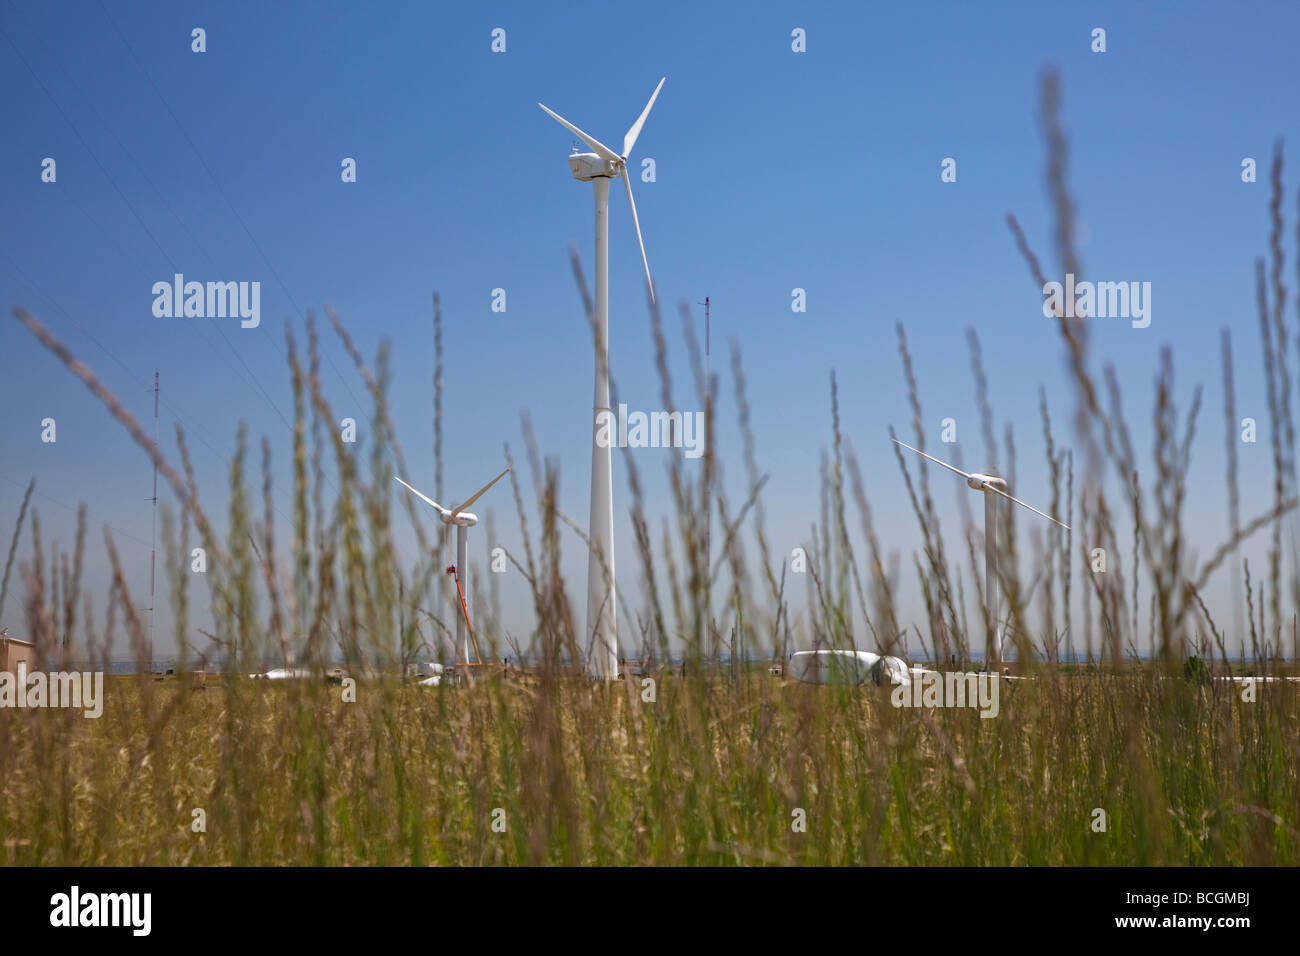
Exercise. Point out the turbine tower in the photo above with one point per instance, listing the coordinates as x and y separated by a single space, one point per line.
993 488
463 520
598 168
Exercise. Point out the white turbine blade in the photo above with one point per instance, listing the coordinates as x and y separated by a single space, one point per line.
604 151
479 494
630 139
999 491
937 461
420 494
627 183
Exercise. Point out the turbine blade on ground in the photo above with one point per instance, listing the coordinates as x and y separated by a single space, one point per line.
627 184
604 151
630 139
420 494
999 491
479 494
937 461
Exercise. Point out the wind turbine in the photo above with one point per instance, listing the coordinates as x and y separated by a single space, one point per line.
463 520
992 487
598 168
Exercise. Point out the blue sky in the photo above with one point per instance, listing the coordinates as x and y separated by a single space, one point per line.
775 170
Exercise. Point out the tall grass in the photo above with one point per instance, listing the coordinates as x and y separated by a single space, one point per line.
718 765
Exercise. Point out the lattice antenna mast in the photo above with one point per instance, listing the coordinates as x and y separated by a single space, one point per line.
153 535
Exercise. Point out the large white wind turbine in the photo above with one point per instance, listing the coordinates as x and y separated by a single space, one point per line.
598 168
462 519
993 487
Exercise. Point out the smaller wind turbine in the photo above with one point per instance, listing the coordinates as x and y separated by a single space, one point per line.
992 487
462 519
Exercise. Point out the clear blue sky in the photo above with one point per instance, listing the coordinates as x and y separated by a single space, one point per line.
775 170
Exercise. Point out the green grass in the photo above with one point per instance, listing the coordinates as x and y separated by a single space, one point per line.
710 773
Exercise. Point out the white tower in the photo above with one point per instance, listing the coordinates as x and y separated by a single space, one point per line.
598 168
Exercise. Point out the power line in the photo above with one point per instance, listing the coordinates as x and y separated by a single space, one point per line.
143 225
118 532
149 232
252 378
192 430
221 189
225 196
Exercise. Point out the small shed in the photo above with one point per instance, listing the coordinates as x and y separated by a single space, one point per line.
14 651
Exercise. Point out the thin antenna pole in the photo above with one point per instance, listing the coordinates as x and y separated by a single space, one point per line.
153 537
708 397
706 333
708 503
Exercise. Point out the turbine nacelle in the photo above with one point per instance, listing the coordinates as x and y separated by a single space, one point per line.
464 519
984 482
588 166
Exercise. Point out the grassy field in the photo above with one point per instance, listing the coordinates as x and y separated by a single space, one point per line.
712 772
710 763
